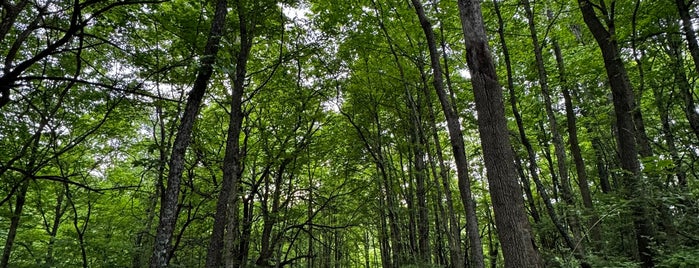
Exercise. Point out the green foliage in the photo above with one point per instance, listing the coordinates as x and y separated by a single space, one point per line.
331 102
682 257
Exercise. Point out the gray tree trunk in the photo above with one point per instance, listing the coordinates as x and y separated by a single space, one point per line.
168 204
456 139
623 99
514 229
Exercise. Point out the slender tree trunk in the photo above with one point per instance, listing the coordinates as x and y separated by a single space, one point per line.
271 215
385 246
168 204
690 108
623 98
688 27
423 226
419 147
366 250
58 213
246 232
583 184
232 167
514 229
457 141
526 185
456 255
686 91
163 143
309 214
558 144
492 246
409 197
22 195
14 223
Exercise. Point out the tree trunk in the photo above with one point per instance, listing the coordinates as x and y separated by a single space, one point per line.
623 99
423 226
420 173
409 197
492 246
22 195
686 91
558 144
583 185
683 9
455 253
514 229
518 117
14 223
231 161
690 108
457 141
59 210
168 205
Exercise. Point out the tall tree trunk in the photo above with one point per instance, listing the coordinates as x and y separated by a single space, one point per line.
163 142
231 162
456 138
309 215
683 9
385 246
683 85
623 99
58 213
423 226
409 197
168 204
492 246
22 195
691 37
518 117
455 254
583 185
558 144
514 229
243 248
271 215
526 185
14 223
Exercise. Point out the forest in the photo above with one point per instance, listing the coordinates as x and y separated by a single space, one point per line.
360 133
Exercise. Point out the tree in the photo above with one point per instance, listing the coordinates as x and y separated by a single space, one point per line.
514 229
624 107
168 203
456 139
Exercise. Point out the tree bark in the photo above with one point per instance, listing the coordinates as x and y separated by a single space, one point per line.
423 226
690 108
456 138
683 9
232 159
518 117
514 229
168 207
14 224
558 144
583 184
623 99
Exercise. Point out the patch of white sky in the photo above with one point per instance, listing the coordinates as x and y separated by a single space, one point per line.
301 11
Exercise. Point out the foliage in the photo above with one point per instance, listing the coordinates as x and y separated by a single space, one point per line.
339 106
